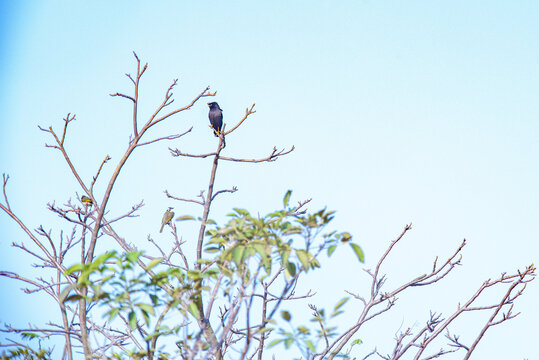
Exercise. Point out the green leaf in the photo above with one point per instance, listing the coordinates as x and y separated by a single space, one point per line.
103 258
241 211
73 268
290 270
287 198
275 342
303 330
331 249
341 303
146 307
266 260
132 320
237 255
263 330
310 345
357 342
66 292
185 217
286 315
153 263
284 256
29 335
146 317
112 313
304 256
288 342
74 297
133 256
358 252
193 309
212 249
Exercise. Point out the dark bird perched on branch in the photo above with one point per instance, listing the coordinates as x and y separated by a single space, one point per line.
216 117
167 216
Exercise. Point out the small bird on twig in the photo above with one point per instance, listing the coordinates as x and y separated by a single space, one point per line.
167 217
216 117
86 201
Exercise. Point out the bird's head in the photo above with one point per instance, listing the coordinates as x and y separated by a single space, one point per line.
170 208
213 105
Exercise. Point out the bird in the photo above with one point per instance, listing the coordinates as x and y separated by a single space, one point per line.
86 201
216 117
167 216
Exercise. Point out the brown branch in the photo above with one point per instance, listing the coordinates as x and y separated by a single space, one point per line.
376 298
272 157
207 202
247 113
107 158
503 279
135 100
170 137
177 152
124 96
68 348
44 331
200 202
374 290
529 272
50 258
64 153
455 341
38 286
318 317
67 120
6 178
233 190
166 102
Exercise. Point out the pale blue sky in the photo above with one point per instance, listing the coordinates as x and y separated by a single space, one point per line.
422 111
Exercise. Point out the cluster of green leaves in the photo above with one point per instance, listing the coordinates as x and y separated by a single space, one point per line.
138 298
26 352
275 239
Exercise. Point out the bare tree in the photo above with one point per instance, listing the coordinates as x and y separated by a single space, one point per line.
225 300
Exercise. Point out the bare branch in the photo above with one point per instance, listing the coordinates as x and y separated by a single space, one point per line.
374 291
233 190
529 272
107 158
123 95
200 202
170 137
247 113
176 153
67 120
272 157
6 178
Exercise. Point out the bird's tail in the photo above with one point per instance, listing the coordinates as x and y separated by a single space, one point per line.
162 226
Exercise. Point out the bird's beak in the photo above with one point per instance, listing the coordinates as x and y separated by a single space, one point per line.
209 104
